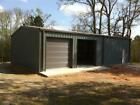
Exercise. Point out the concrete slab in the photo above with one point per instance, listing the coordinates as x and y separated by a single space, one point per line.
66 71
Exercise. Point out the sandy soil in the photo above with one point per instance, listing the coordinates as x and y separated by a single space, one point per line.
119 85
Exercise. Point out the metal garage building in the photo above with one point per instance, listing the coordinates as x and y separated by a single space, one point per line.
39 48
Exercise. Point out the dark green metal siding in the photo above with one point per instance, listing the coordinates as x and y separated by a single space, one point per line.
25 48
29 47
113 49
75 37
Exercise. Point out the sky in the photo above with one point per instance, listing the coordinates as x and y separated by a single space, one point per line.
61 14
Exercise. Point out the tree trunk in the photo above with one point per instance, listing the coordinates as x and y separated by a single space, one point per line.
94 16
108 25
124 26
100 22
94 23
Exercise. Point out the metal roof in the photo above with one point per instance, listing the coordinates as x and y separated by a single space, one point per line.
72 32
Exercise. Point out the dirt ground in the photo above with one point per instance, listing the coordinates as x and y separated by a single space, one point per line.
119 85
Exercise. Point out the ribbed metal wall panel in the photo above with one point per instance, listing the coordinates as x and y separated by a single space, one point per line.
75 37
29 47
25 48
114 49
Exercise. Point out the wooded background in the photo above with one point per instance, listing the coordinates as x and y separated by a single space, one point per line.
109 17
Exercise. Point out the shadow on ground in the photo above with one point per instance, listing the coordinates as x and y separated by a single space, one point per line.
121 70
93 94
53 91
8 68
80 93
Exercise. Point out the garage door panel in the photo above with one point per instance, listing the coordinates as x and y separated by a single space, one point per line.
58 43
51 63
57 53
56 59
57 65
57 49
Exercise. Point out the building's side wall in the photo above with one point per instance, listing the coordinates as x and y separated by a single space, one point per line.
116 51
25 48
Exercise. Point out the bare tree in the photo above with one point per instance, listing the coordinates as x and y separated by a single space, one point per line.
19 17
108 8
115 18
120 22
90 3
101 15
127 15
133 14
82 23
